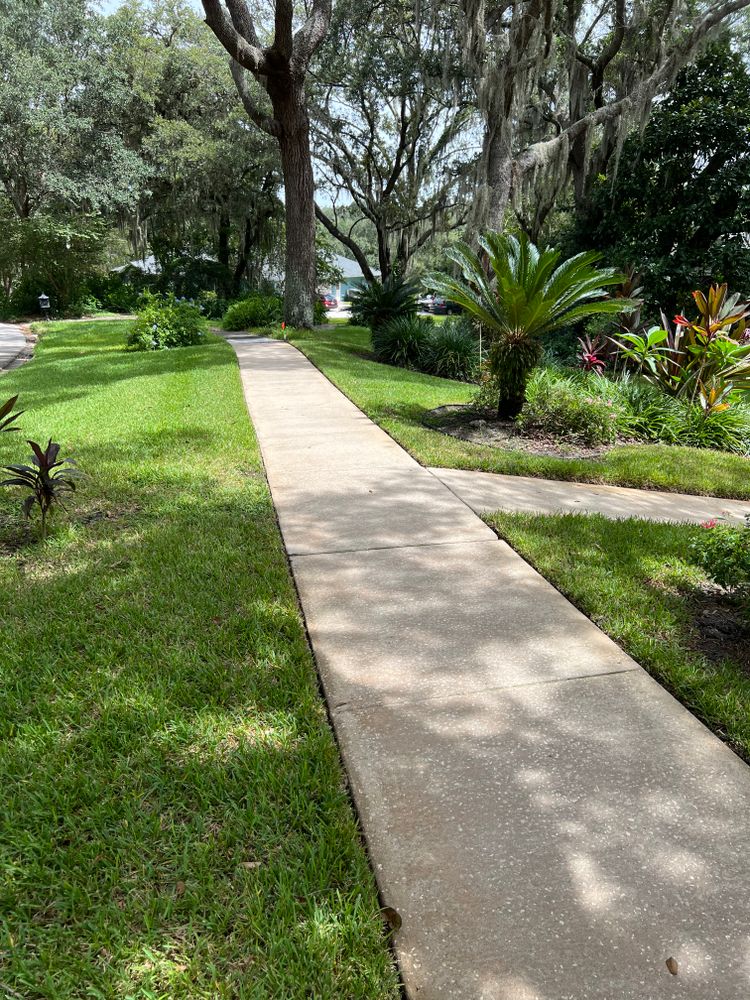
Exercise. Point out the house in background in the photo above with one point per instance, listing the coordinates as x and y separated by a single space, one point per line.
351 277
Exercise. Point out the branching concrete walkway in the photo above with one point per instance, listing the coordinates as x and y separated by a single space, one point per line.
12 344
548 821
487 491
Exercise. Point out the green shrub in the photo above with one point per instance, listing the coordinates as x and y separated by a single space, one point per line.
115 293
564 409
452 351
164 322
211 304
724 553
86 305
404 341
255 310
319 312
723 430
376 303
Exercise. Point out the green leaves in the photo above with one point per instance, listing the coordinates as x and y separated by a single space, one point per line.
376 303
524 291
704 360
521 294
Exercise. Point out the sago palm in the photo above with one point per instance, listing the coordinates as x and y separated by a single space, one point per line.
522 293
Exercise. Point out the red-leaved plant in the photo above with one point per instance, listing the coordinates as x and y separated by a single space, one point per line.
7 416
47 479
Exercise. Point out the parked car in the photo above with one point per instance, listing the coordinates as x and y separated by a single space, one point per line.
442 307
425 303
328 301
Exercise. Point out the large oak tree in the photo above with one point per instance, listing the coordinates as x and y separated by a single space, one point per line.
560 83
281 69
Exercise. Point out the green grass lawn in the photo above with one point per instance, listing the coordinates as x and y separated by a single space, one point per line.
175 821
636 580
398 400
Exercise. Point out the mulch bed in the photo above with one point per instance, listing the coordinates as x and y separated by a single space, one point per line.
466 423
720 629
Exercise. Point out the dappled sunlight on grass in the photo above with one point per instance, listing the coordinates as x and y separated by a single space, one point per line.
175 816
635 579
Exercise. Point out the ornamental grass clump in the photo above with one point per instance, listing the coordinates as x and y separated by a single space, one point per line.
402 341
452 351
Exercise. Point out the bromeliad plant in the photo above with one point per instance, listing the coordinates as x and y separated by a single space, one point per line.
702 361
46 479
7 416
522 294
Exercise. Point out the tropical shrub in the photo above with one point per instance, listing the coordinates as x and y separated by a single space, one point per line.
724 553
255 310
452 350
702 360
559 401
46 480
377 303
164 322
403 341
7 415
211 304
557 406
528 293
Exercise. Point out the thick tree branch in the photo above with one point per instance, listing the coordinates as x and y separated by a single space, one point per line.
541 152
282 40
246 54
243 21
267 123
348 242
311 34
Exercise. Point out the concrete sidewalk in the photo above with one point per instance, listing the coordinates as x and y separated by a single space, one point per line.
548 821
12 343
488 491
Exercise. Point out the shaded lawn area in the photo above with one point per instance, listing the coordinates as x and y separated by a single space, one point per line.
398 400
175 822
636 581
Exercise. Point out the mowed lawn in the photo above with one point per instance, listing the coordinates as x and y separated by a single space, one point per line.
175 821
639 582
399 400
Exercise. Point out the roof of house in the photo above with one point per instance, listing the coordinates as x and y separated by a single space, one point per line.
349 268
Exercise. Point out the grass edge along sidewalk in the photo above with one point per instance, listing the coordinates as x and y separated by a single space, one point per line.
637 582
175 821
398 399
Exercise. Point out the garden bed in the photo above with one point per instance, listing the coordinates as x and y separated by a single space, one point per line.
465 422
399 399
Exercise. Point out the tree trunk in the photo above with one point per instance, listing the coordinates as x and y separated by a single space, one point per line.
243 253
384 250
499 177
290 110
495 179
223 247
